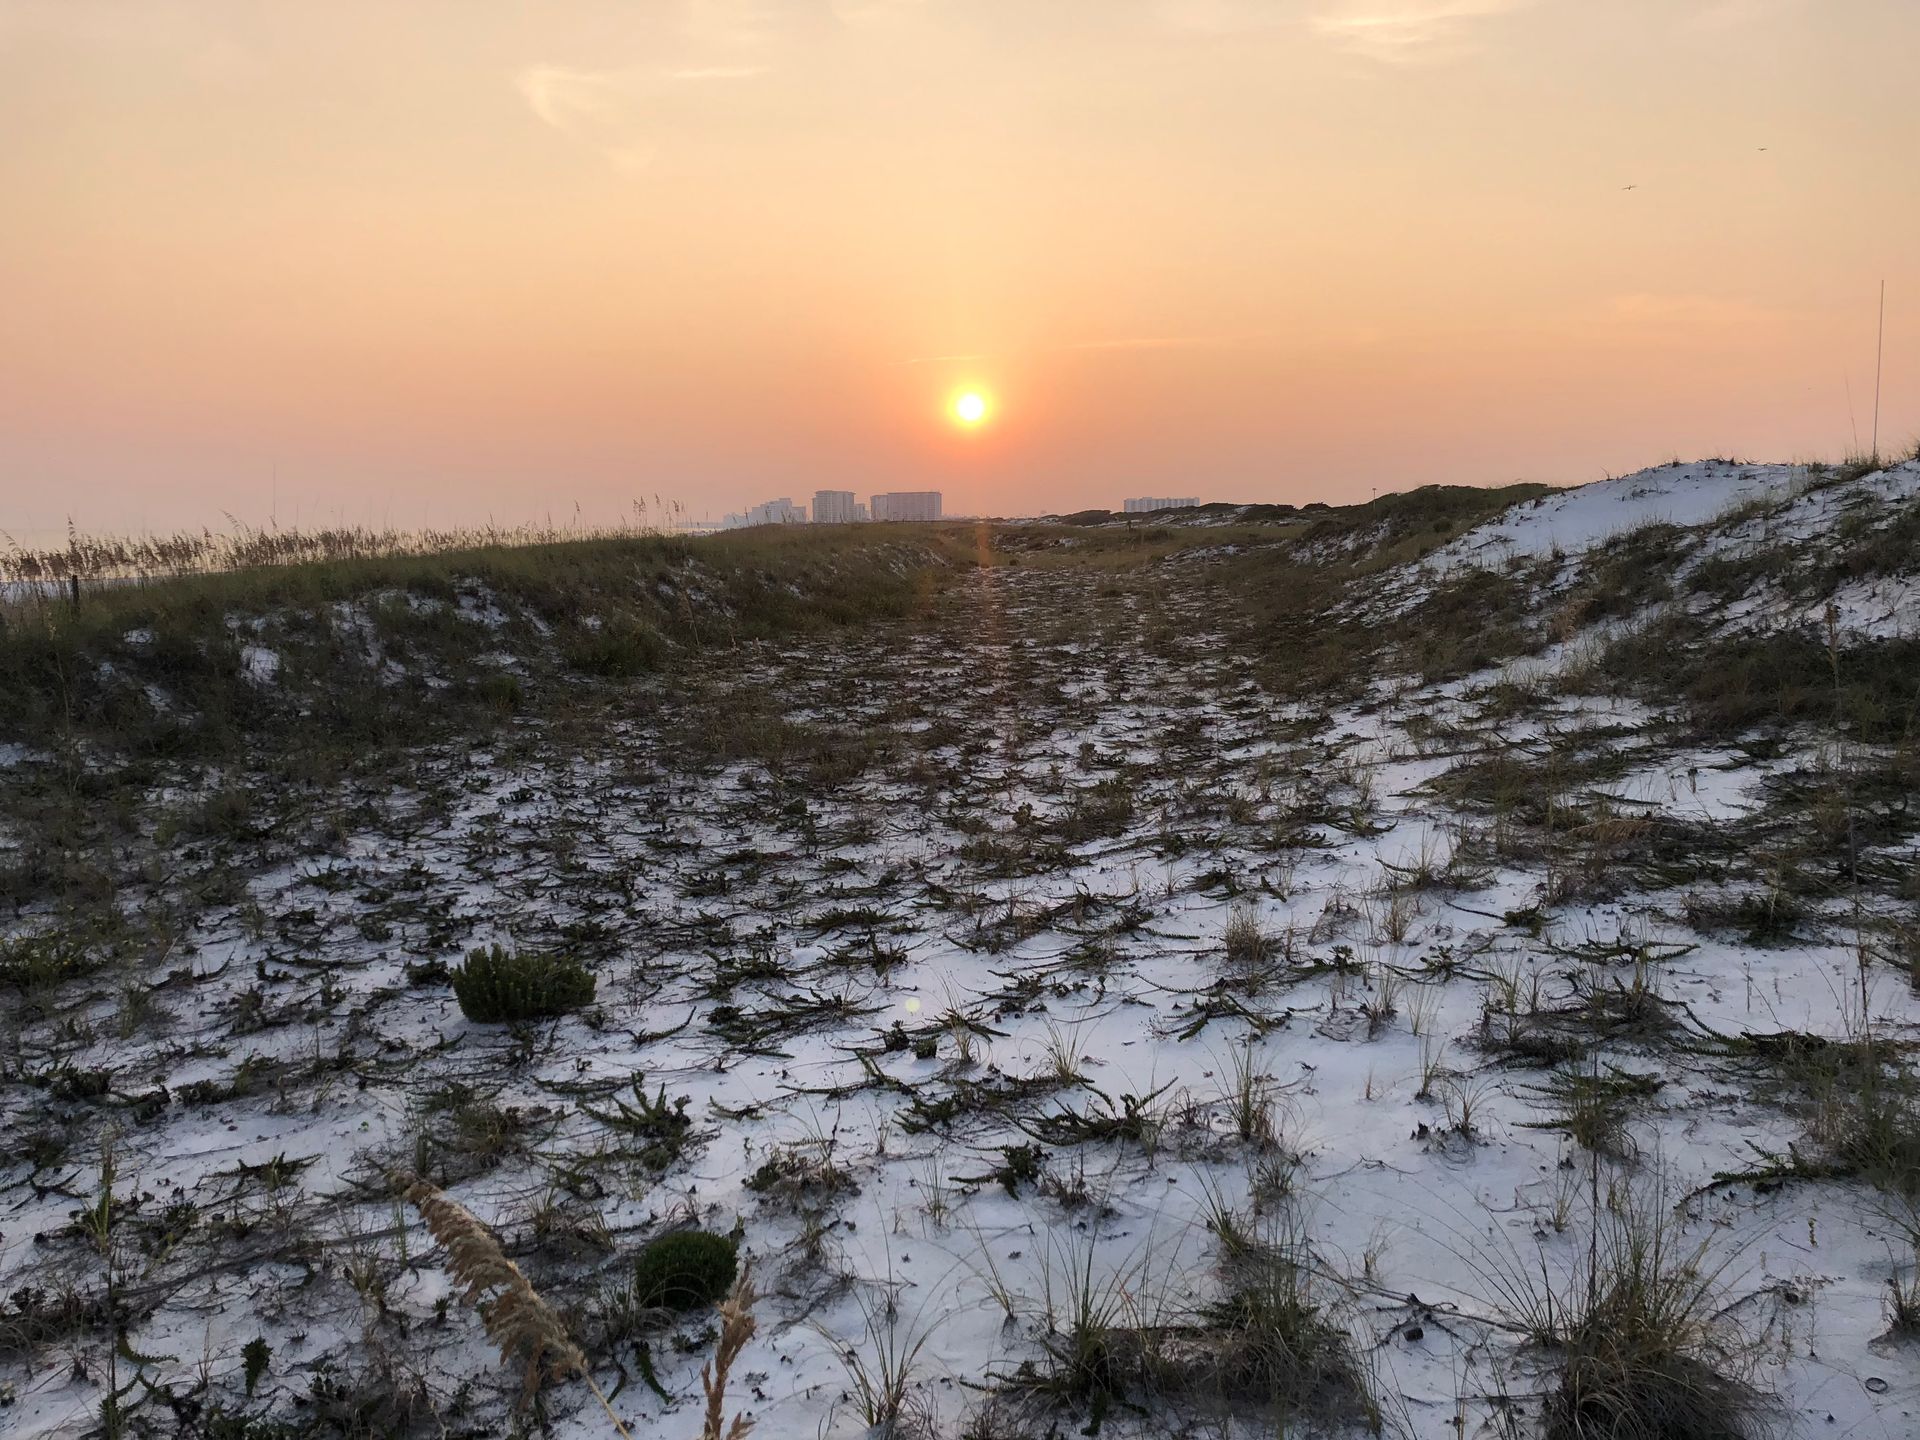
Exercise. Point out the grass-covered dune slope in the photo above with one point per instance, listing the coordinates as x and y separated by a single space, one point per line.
200 662
1442 967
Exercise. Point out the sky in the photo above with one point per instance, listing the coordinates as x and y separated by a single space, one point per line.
449 261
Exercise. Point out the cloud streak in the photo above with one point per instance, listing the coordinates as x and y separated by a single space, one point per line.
1170 342
617 111
719 72
1398 32
1119 343
1411 32
603 110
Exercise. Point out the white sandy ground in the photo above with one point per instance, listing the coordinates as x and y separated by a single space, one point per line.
1409 1225
1733 508
1574 520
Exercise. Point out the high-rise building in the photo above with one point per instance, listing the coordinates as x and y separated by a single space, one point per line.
836 507
774 512
907 505
1146 504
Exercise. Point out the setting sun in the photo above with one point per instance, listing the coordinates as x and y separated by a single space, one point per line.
970 408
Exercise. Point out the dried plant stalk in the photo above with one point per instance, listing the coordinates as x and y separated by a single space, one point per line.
736 1329
517 1320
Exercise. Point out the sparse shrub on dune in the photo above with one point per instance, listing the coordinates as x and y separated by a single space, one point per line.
617 649
1865 1111
1727 685
1272 1342
1263 1344
34 962
1641 1334
1246 941
498 987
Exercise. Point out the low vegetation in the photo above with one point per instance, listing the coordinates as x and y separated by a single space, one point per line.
685 1270
1643 1346
502 987
358 642
1106 977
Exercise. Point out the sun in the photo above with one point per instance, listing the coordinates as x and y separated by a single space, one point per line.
971 408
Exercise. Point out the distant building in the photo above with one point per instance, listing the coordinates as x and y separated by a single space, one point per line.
907 505
1146 504
774 512
836 507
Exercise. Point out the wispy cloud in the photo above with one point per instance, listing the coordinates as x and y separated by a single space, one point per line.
601 109
1411 32
617 112
1123 342
1169 342
718 72
560 96
1404 32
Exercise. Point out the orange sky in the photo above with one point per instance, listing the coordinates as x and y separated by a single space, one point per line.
406 260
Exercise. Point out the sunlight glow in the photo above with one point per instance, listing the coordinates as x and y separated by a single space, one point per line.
971 408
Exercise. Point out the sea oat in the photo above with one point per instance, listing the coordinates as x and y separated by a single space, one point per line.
736 1329
522 1324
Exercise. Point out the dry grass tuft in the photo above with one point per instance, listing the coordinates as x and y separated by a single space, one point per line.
522 1324
736 1329
1648 1346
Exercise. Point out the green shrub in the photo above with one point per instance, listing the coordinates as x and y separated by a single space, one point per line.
226 814
495 987
503 694
33 962
685 1270
619 649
